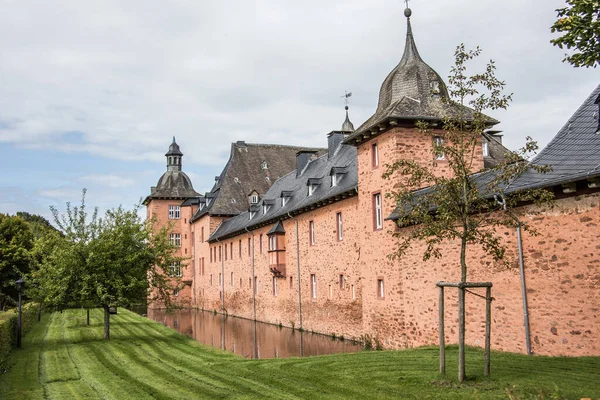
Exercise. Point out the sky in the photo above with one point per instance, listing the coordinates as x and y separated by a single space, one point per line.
92 92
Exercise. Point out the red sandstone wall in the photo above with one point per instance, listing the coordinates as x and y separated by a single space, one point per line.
327 259
562 269
207 296
160 210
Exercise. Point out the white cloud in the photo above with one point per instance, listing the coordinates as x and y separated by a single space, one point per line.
111 181
118 79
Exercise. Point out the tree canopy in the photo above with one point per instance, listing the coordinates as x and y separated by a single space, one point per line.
104 262
16 242
579 24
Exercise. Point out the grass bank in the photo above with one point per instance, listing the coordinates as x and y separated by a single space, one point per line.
62 358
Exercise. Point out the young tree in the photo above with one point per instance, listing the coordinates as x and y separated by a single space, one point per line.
579 24
107 262
467 206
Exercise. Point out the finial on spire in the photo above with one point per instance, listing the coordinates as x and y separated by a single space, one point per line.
346 98
173 139
407 10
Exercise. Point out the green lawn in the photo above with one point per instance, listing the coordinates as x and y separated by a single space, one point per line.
62 358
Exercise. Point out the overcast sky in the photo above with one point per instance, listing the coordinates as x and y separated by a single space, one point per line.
91 92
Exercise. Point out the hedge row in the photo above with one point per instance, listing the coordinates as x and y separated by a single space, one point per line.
8 329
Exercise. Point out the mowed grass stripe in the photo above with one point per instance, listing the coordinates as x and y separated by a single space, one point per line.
23 380
55 363
146 360
190 364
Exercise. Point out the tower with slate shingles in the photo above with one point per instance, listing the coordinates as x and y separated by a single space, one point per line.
172 202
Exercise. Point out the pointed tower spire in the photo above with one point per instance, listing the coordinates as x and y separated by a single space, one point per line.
410 49
347 126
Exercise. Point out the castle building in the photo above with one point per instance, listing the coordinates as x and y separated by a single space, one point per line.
301 237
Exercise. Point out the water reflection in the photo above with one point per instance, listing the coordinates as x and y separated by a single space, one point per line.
248 338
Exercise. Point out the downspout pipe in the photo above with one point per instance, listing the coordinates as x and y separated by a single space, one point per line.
298 279
222 255
253 282
522 273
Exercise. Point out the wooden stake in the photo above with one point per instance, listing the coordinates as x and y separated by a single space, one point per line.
488 329
461 334
442 337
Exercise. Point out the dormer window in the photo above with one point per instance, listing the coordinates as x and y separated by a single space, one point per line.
267 205
313 184
485 146
253 197
264 165
435 88
286 195
252 214
336 175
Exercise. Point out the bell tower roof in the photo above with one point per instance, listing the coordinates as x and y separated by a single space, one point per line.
413 91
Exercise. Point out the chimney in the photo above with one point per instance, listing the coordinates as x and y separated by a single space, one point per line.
241 144
334 139
302 159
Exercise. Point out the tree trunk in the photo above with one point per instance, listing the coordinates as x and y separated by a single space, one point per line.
39 312
106 322
88 316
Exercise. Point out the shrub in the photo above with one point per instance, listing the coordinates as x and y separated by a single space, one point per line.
8 329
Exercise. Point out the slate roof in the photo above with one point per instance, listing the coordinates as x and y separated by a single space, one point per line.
413 91
345 158
244 174
573 154
173 184
496 151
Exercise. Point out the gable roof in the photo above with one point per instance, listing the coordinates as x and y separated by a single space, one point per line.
244 174
345 158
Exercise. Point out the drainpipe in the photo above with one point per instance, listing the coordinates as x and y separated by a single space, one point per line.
222 255
298 263
522 273
253 280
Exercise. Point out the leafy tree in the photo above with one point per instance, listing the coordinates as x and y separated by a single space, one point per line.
16 242
467 206
579 24
39 225
106 262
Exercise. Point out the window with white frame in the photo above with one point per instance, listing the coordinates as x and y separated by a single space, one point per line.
334 180
438 144
313 286
175 239
377 210
311 231
340 226
265 208
252 214
485 148
275 286
284 201
174 212
254 198
311 189
176 269
273 242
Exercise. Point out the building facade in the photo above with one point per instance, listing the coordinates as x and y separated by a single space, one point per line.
307 245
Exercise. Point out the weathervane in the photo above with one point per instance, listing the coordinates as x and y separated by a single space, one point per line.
347 98
406 1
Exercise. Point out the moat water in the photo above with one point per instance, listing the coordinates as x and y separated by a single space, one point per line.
248 338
